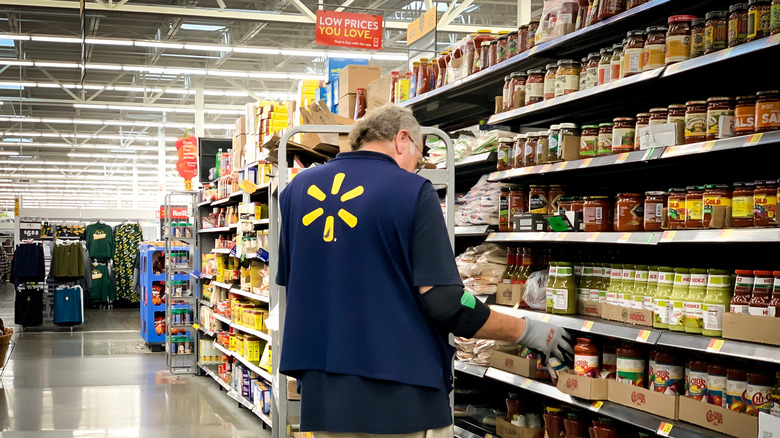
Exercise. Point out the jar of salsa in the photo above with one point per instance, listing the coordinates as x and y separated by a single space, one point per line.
697 37
697 380
592 70
736 388
605 139
605 66
742 205
655 202
586 358
484 57
506 103
642 121
774 29
743 292
720 110
517 90
759 385
567 77
715 195
676 115
629 214
517 202
631 365
534 86
765 203
502 47
553 422
511 44
423 78
537 200
553 146
578 204
583 73
758 25
693 206
542 147
589 140
669 374
715 31
492 54
695 121
745 115
655 48
569 135
658 116
555 194
676 208
549 81
597 214
530 157
522 39
774 303
762 293
519 148
678 38
505 148
533 27
633 53
738 19
623 134
414 79
616 64
768 111
610 8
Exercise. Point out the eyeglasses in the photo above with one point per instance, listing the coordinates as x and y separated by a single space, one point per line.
421 163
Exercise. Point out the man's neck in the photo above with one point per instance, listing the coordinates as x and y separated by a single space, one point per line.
378 146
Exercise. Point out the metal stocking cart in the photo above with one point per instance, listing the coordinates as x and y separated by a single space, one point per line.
286 413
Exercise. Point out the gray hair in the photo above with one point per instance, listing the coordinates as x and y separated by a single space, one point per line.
382 124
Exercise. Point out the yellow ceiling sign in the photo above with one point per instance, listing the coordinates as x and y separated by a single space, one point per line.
421 26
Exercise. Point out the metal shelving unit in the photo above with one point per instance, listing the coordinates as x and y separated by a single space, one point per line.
729 235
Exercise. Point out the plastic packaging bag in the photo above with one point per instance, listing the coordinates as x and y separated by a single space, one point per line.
536 290
558 19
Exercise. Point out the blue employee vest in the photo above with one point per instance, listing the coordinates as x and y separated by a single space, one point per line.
352 307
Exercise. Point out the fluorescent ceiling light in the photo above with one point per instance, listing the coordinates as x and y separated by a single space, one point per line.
390 57
202 27
11 36
210 126
159 44
208 48
104 66
306 53
108 42
257 50
49 39
57 64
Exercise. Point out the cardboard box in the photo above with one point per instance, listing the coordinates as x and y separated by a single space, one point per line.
378 92
592 309
643 399
353 77
292 389
718 419
768 426
347 106
631 316
588 388
751 328
513 364
318 114
509 294
570 148
505 429
240 126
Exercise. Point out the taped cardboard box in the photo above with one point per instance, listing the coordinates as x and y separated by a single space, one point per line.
592 309
718 419
347 106
378 92
751 328
513 364
509 294
319 114
505 429
588 388
353 77
623 314
643 399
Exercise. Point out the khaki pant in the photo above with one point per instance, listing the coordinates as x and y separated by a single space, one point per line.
444 432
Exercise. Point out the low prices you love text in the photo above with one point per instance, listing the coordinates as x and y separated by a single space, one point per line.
349 30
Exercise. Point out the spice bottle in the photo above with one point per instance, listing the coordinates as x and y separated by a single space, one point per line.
742 205
655 48
745 115
678 38
695 121
765 203
759 12
716 302
715 196
715 31
720 117
676 208
767 111
697 37
633 53
694 201
738 19
631 365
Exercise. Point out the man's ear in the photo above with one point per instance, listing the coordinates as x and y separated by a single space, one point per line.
400 142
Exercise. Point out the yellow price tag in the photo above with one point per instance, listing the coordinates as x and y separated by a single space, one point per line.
755 138
715 345
248 186
708 146
668 235
596 405
643 336
665 429
526 384
624 237
562 165
195 326
586 162
726 234
587 325
622 158
593 236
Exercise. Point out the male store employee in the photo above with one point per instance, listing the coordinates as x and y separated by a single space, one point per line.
373 290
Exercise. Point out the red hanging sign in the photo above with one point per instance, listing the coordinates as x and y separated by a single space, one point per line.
187 165
346 29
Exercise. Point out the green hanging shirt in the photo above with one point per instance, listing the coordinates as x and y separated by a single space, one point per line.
100 241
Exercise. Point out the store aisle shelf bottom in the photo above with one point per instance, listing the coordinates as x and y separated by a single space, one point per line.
232 393
260 372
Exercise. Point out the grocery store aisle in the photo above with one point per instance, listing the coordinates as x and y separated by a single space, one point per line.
107 384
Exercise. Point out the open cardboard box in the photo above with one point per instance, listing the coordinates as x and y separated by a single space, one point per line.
318 114
505 429
643 399
509 294
592 309
513 364
631 316
588 388
718 419
752 328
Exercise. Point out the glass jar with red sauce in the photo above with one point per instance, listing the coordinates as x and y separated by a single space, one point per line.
715 195
774 303
610 8
694 206
676 208
743 291
597 214
655 202
533 27
522 39
765 203
742 205
534 86
762 293
629 212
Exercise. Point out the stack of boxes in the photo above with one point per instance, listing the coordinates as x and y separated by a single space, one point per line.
307 91
351 78
273 119
239 142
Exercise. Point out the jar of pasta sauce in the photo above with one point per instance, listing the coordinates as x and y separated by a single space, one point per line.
633 53
642 121
745 115
765 203
522 39
631 365
768 111
597 214
715 195
658 116
697 37
511 44
629 212
742 205
676 208
589 140
549 81
655 48
538 200
694 207
678 38
533 26
605 66
720 114
695 121
655 202
592 70
534 86
623 133
616 63
715 31
605 139
737 24
567 77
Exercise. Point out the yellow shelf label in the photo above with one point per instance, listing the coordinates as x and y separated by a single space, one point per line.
587 325
546 168
715 345
562 165
643 336
665 429
593 236
726 234
755 138
622 158
526 384
668 235
195 326
708 145
725 53
624 237
596 405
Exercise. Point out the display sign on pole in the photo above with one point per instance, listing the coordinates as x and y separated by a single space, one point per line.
346 29
30 230
421 26
187 152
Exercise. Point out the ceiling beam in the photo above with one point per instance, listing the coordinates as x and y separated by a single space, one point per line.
447 19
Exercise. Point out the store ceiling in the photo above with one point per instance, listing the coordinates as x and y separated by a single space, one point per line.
101 140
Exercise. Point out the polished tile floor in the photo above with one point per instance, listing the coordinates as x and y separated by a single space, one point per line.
107 384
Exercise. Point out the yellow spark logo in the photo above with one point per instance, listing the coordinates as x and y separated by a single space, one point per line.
348 218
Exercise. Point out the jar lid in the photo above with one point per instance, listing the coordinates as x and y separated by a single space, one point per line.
556 186
712 15
755 2
677 190
692 188
745 98
525 26
767 93
698 22
537 186
504 189
416 63
738 7
555 127
533 22
618 46
584 60
595 198
744 272
423 59
485 43
636 33
507 78
484 31
535 71
653 29
492 42
655 193
624 119
594 54
566 61
763 273
502 37
503 32
677 106
549 66
629 195
695 102
590 126
606 125
543 133
658 110
518 74
568 126
718 186
681 18
768 182
505 140
715 99
514 32
521 136
642 115
605 50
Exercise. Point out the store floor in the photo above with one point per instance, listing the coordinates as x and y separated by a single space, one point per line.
107 384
